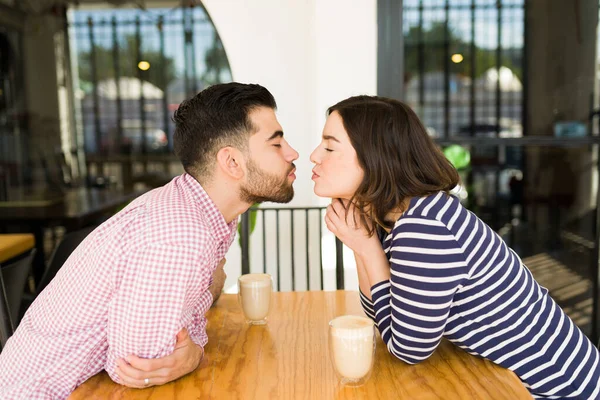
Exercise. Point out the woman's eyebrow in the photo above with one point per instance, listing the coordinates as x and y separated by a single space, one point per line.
329 137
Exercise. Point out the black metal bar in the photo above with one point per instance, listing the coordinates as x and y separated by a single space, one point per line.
187 33
390 49
596 258
495 212
264 241
513 95
138 43
77 150
307 252
117 68
595 270
278 259
292 249
590 125
525 67
39 259
522 141
339 264
149 22
438 6
175 21
447 71
498 66
193 53
421 58
94 72
178 22
245 239
473 68
525 99
165 101
321 248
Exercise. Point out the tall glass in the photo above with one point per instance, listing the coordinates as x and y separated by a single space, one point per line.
352 348
254 295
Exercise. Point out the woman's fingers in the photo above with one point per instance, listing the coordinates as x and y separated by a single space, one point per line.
331 225
330 212
338 207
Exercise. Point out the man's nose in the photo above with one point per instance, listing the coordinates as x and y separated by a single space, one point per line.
292 154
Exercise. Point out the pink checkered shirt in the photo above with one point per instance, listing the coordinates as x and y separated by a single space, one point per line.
131 285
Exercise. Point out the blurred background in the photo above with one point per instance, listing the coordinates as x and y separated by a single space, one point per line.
507 88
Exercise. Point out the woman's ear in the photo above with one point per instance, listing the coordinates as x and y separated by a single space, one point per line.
230 161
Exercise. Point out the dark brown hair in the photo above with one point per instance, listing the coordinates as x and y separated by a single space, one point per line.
216 117
397 155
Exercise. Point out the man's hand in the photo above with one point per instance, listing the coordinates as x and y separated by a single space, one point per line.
218 282
133 371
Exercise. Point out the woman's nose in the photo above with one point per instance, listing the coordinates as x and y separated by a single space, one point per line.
313 157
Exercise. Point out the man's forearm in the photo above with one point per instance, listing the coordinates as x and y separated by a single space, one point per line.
216 288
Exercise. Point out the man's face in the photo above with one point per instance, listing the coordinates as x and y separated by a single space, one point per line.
270 168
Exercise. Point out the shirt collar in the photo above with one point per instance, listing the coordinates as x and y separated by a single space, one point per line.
215 220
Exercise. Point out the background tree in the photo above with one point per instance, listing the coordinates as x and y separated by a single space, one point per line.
434 39
161 72
216 62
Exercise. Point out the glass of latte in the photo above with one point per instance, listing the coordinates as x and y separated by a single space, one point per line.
352 348
254 295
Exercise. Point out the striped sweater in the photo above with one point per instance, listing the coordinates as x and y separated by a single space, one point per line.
452 276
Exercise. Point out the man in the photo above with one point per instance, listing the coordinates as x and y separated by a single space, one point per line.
131 298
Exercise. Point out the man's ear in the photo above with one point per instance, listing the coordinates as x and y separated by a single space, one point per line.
230 161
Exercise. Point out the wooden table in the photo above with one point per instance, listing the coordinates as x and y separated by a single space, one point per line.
11 245
288 359
73 209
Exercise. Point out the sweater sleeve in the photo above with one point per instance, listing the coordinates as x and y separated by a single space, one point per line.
427 268
367 306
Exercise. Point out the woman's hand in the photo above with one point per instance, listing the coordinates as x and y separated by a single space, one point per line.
141 373
348 227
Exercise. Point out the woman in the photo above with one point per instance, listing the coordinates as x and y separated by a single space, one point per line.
427 267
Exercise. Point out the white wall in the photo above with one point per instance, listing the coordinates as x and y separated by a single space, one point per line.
309 54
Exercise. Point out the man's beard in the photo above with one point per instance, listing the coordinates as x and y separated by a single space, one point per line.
263 186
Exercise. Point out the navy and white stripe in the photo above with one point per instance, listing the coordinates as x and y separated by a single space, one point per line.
454 277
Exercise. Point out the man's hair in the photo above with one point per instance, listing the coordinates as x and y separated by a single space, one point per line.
215 118
397 155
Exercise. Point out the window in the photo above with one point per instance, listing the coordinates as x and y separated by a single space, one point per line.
133 69
464 65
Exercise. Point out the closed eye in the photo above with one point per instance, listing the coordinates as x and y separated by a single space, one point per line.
326 149
277 145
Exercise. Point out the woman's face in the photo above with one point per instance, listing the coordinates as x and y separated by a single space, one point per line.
337 173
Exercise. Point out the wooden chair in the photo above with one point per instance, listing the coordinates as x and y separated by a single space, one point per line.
14 275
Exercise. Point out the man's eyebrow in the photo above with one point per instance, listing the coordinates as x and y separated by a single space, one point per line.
275 135
329 137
